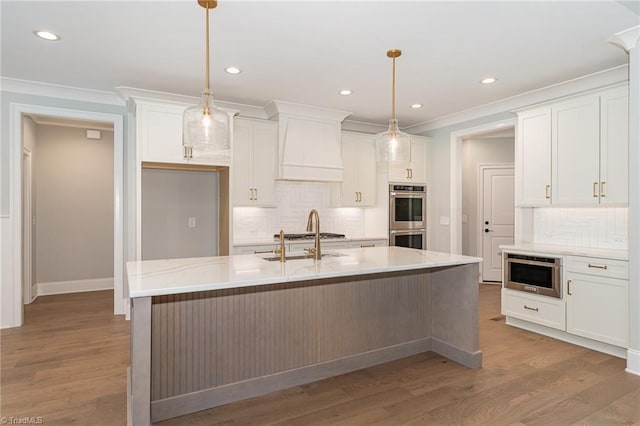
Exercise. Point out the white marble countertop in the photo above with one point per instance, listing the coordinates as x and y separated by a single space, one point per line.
548 249
266 241
174 276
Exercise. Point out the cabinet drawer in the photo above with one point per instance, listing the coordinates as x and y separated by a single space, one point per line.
601 267
324 245
540 310
367 243
259 249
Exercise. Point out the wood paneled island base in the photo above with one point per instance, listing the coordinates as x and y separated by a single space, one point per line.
197 350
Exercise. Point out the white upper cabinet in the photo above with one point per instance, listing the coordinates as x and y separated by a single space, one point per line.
416 170
575 157
159 134
574 152
614 146
358 188
255 150
533 158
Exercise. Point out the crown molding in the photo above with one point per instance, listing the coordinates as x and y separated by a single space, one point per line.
627 39
585 83
276 107
37 88
144 95
363 127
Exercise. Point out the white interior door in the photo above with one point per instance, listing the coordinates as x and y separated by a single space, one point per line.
496 194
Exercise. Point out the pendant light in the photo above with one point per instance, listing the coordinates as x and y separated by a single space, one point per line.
393 145
205 127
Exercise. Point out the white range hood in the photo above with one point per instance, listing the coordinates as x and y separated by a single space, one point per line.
308 141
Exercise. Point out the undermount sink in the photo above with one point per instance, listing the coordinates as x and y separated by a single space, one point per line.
300 256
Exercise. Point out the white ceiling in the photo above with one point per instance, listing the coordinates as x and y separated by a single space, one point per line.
306 51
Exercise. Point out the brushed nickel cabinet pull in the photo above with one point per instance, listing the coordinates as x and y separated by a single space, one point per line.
569 288
367 245
410 173
256 194
602 194
593 265
251 193
530 308
595 189
263 251
356 196
547 191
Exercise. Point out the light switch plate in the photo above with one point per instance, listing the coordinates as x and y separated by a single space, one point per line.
444 220
192 222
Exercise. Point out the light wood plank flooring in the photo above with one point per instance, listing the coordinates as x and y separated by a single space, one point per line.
68 365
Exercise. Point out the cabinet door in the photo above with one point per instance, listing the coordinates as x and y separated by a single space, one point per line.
350 184
575 155
367 186
265 151
533 147
242 163
418 172
597 308
159 133
614 146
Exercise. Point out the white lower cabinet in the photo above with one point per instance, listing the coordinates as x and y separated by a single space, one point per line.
543 310
368 243
299 246
594 304
597 301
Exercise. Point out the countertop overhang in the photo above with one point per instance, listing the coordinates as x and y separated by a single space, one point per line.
176 276
557 250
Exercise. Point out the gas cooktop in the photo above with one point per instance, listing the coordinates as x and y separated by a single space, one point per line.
309 236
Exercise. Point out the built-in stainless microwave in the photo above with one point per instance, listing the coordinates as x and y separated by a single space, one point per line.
533 274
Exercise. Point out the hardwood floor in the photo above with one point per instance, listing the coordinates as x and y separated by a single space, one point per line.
68 365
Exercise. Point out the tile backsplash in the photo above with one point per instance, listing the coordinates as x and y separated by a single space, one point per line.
597 227
294 201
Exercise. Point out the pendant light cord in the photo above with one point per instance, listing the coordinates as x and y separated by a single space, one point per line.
207 44
393 91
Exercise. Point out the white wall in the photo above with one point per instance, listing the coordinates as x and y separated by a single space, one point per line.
439 179
476 152
74 195
169 199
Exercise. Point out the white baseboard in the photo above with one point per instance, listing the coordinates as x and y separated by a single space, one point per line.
76 286
633 362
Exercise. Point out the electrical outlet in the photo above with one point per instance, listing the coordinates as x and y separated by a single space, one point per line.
192 222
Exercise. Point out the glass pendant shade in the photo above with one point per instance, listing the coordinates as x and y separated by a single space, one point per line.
206 128
393 146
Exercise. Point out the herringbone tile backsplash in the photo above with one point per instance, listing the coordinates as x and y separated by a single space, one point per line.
597 227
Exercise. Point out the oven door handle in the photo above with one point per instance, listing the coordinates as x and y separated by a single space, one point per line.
533 263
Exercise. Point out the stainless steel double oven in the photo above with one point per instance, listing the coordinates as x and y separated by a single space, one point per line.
408 216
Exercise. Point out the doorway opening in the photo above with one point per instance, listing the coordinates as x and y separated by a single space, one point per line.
24 204
68 206
482 203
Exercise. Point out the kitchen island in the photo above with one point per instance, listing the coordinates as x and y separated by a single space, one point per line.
210 331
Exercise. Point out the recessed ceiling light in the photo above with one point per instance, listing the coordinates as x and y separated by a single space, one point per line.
415 106
488 80
233 70
345 92
47 35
